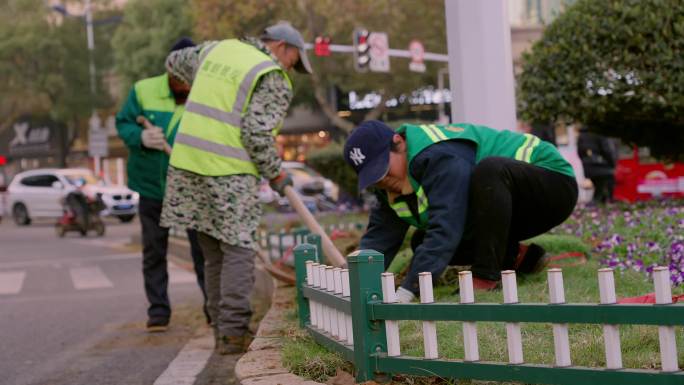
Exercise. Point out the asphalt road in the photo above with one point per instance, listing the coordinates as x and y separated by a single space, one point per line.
73 309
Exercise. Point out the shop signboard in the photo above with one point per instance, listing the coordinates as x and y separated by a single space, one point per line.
31 137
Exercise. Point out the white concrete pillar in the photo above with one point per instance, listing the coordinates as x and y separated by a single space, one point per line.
480 63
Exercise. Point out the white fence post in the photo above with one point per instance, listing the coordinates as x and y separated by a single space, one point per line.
346 293
263 238
391 327
316 319
330 279
467 295
429 327
611 333
513 336
310 282
561 343
325 316
666 334
341 323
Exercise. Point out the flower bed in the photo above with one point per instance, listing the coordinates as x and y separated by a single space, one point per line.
636 237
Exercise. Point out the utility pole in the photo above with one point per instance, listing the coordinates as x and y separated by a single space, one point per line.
87 16
91 65
91 44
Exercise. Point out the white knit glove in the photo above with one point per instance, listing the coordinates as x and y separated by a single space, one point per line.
153 138
404 296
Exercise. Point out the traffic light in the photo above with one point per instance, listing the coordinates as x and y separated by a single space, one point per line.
322 46
361 50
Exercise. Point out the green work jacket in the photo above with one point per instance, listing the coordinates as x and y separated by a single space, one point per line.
146 167
489 142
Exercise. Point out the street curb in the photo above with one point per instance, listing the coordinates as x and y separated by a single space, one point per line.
262 364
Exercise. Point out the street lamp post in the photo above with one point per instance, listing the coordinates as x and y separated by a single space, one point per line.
88 18
91 44
91 65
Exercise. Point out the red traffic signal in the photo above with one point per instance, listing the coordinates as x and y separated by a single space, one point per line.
3 160
361 49
322 46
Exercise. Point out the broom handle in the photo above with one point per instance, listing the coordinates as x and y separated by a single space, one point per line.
334 256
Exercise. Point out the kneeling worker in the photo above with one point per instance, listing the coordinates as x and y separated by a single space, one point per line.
472 193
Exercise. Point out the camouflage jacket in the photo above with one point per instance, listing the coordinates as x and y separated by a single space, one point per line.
227 207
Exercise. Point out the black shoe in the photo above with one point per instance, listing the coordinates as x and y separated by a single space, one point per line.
206 315
157 324
534 260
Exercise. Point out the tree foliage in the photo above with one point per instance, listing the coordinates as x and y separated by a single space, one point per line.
330 162
44 63
148 31
403 20
616 66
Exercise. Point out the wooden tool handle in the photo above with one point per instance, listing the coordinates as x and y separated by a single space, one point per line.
146 124
334 256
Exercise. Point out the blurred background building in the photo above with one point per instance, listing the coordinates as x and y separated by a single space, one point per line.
305 128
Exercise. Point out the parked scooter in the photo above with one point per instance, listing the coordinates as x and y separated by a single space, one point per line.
81 213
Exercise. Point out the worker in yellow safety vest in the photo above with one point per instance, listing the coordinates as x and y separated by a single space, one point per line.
224 146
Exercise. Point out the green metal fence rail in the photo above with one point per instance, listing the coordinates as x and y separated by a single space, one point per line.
279 244
344 311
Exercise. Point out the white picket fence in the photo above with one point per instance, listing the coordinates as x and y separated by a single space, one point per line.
337 325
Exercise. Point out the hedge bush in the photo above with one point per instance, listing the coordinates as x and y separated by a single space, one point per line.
616 66
330 163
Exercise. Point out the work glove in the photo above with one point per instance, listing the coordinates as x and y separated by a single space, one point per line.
280 182
153 138
404 296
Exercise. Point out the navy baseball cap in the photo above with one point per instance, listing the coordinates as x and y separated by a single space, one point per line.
367 150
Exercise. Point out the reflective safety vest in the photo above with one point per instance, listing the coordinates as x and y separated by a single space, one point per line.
490 142
209 138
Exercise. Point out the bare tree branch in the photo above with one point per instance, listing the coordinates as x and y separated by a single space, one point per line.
328 109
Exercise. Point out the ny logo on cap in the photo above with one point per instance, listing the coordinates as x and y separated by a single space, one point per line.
356 156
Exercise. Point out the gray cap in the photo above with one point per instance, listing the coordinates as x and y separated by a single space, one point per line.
286 32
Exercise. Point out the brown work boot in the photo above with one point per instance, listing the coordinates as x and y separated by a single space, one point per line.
230 345
233 344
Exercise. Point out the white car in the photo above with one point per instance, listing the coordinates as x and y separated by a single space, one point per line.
305 180
309 182
37 194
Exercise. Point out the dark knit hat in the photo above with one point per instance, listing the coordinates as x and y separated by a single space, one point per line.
183 42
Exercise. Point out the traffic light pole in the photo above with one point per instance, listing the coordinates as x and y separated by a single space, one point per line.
429 56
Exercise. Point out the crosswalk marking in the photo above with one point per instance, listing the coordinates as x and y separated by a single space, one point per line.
180 275
189 362
11 282
89 278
